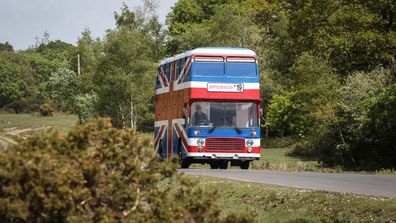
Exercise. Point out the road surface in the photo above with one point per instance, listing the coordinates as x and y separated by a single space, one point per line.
364 184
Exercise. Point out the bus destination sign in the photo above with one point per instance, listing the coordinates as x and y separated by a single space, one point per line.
225 87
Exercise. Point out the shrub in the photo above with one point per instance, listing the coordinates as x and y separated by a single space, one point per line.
363 137
84 106
279 142
376 145
46 110
23 105
96 173
281 115
302 149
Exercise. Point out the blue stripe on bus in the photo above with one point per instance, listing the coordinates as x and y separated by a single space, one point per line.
224 132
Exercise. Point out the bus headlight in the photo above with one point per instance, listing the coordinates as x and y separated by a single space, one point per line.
200 143
249 144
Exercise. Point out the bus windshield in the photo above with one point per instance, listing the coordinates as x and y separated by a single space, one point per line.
224 114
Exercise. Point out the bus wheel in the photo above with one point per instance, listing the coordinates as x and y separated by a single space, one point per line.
214 164
223 164
244 165
185 163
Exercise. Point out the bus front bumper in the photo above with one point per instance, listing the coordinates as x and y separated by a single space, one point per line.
226 156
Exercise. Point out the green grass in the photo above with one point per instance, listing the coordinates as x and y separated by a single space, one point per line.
62 122
276 159
281 204
277 155
16 126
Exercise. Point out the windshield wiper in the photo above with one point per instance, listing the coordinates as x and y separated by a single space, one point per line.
238 130
212 129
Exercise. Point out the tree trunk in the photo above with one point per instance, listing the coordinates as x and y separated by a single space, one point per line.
122 116
132 115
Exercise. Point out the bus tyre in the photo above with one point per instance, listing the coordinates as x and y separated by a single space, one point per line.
223 164
184 163
244 165
214 164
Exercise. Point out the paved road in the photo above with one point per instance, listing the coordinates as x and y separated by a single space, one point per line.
365 184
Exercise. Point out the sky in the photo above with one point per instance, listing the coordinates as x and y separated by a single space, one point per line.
21 21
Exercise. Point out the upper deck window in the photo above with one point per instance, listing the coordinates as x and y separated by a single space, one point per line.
179 66
167 70
241 67
209 59
209 66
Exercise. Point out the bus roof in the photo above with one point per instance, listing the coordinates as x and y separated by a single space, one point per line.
211 51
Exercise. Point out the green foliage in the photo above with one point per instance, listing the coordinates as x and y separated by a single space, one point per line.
129 62
311 104
302 149
361 86
350 35
379 130
42 66
89 51
57 51
85 106
12 86
46 110
281 116
61 87
6 47
363 135
219 23
97 173
31 70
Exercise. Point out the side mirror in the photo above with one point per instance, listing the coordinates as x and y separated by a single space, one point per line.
185 117
185 113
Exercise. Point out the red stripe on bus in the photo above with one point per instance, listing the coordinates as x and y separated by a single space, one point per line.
202 93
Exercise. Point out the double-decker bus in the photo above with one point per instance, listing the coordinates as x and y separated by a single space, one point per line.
207 107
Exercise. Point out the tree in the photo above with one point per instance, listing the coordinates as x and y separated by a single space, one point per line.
281 117
89 50
18 82
61 87
6 47
129 63
379 131
12 86
57 52
187 19
350 140
84 106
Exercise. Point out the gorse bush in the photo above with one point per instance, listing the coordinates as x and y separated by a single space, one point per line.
46 110
96 173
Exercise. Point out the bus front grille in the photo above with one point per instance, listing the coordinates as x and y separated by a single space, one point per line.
225 144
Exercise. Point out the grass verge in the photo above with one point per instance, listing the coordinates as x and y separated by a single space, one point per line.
62 122
276 159
19 126
281 204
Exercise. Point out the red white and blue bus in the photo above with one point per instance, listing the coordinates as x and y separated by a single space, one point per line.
207 107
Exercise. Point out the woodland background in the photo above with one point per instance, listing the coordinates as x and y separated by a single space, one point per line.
327 69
